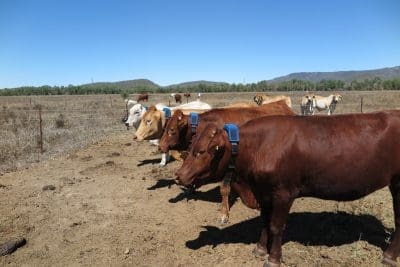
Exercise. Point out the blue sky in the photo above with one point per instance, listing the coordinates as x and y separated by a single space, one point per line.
77 41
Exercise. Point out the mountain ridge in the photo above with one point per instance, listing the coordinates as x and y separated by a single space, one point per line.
346 76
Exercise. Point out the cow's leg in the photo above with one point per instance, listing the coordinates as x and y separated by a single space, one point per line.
154 142
225 189
280 206
393 250
164 159
261 250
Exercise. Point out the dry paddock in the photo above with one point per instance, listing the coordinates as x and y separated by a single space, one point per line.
113 205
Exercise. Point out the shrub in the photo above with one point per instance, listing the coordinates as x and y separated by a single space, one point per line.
60 121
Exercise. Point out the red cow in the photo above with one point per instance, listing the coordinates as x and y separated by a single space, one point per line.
187 95
281 158
143 97
178 98
178 132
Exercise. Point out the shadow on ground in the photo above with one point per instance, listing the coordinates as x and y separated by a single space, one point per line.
315 229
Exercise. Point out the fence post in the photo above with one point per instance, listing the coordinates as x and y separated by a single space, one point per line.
40 130
362 102
110 102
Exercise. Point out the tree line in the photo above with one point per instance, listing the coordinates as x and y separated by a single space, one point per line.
292 85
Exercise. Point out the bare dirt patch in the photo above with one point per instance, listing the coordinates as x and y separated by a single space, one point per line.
113 205
126 210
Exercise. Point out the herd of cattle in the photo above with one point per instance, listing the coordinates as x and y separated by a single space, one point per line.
270 155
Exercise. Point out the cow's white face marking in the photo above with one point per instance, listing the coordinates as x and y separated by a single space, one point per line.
135 115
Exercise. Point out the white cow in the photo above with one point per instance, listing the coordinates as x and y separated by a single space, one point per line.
135 115
136 112
306 105
322 103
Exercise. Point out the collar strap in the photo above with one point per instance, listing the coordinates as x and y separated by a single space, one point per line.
167 112
194 120
233 136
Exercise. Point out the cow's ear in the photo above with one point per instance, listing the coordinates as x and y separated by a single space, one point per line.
157 115
218 141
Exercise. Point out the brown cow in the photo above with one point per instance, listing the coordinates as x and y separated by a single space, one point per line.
241 105
187 95
261 99
143 97
177 97
178 132
281 158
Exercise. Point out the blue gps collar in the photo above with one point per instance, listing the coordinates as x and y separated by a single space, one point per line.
167 112
233 136
194 120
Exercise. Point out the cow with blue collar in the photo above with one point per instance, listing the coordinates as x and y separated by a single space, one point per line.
276 159
181 128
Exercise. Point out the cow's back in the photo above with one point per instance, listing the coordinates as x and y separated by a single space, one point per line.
342 157
237 115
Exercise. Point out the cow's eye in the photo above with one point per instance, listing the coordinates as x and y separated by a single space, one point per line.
148 122
198 154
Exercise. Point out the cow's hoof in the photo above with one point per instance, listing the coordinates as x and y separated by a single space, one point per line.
162 164
389 262
267 263
260 252
223 219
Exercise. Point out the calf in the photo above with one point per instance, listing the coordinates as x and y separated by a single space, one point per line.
281 158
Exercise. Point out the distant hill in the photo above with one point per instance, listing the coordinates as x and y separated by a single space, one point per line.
346 76
129 84
195 83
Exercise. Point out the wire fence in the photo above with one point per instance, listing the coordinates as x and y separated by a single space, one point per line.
33 128
32 135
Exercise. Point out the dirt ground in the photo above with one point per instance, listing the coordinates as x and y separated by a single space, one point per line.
113 205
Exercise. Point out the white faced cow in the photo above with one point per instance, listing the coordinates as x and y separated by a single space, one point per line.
135 115
322 103
306 105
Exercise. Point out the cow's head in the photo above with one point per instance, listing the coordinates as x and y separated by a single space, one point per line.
208 157
258 98
135 114
337 97
151 126
172 132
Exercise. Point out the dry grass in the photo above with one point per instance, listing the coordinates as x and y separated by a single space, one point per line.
71 122
68 122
